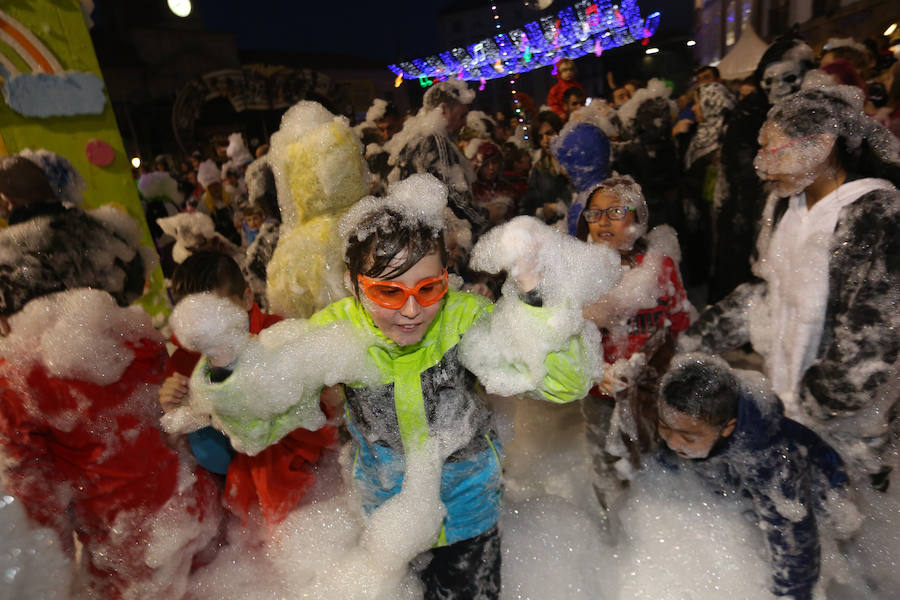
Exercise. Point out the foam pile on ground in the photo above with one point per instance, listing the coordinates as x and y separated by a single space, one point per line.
32 562
680 539
552 549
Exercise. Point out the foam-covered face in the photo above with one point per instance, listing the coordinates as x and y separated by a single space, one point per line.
620 97
781 79
687 436
618 235
407 325
791 164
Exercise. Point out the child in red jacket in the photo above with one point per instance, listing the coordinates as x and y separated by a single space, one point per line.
640 319
565 75
275 480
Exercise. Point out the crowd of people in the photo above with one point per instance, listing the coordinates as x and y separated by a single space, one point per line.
421 245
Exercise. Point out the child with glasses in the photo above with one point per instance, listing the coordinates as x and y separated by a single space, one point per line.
640 319
412 324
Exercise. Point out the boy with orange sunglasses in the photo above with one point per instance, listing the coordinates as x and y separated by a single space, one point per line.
426 398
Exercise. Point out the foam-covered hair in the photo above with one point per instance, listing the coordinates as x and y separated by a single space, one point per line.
410 218
702 386
629 192
822 107
445 91
420 198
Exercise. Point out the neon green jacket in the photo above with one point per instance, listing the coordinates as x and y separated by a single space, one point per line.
424 387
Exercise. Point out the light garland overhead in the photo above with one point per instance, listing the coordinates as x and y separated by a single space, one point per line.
575 31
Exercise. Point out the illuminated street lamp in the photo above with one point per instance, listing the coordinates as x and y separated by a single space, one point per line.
180 8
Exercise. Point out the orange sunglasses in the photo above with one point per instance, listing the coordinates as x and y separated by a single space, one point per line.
393 294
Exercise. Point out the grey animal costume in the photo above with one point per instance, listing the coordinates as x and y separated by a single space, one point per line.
848 388
50 248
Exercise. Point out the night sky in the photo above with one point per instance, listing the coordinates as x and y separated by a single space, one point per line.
387 30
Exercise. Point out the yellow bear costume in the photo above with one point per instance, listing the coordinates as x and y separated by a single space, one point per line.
319 172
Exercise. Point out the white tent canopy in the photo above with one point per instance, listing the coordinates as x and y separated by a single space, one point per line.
741 60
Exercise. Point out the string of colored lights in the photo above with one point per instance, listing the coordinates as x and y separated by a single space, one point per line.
520 116
587 26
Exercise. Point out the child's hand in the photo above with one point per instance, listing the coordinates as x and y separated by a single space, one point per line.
173 392
611 383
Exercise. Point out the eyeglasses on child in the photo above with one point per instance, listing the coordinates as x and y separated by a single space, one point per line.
393 294
613 213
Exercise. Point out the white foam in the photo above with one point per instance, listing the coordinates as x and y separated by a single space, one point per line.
78 334
419 198
681 540
318 164
190 230
640 287
32 561
282 369
376 110
507 349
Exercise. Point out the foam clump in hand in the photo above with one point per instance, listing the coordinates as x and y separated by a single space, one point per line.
571 271
211 325
275 375
508 349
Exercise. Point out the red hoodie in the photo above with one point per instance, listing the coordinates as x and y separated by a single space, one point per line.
90 459
555 97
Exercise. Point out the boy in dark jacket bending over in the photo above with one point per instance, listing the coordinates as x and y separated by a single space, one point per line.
733 430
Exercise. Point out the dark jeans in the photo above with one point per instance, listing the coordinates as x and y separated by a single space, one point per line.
466 570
